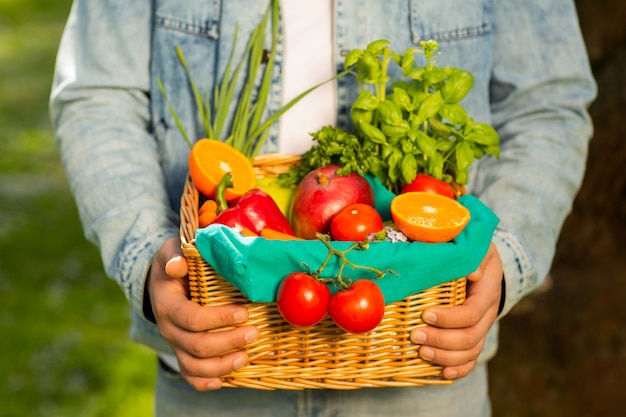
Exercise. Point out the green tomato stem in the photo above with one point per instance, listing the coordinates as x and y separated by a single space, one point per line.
344 282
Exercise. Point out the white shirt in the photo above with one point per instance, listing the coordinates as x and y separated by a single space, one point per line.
308 61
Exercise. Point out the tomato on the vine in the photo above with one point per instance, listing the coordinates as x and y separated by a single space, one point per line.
355 222
302 300
424 182
359 308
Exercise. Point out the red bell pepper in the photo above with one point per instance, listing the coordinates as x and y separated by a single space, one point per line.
255 210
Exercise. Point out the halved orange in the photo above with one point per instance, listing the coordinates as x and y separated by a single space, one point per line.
210 159
428 217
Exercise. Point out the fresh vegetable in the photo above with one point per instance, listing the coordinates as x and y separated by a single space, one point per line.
426 183
276 235
355 222
321 194
255 210
359 308
414 125
302 300
207 213
248 233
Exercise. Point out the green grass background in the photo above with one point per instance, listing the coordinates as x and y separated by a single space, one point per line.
64 346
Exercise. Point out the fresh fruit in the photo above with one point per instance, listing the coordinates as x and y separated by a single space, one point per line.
428 217
359 308
302 300
355 222
281 195
424 182
210 159
321 194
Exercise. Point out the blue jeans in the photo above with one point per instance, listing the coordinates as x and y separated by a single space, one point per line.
467 397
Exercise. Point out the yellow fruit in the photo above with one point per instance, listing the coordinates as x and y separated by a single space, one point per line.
281 195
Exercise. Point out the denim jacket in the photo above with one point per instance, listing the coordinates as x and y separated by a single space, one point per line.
126 161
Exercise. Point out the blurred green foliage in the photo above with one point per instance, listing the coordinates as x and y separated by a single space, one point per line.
64 325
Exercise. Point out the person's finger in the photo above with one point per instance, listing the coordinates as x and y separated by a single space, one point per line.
453 357
205 376
210 344
170 258
193 317
211 367
455 372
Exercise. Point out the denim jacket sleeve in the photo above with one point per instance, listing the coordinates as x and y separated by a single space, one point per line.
541 85
100 112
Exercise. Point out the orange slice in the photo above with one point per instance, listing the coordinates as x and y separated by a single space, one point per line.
210 159
428 217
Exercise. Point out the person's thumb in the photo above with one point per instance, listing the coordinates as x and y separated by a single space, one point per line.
172 256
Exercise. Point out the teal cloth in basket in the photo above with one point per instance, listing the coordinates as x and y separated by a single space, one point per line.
256 266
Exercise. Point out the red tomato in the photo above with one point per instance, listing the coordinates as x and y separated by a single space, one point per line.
424 182
355 222
302 300
359 308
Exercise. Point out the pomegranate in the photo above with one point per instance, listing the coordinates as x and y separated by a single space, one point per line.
321 194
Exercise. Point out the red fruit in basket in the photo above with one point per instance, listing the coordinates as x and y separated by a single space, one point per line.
302 300
358 309
321 194
355 223
426 183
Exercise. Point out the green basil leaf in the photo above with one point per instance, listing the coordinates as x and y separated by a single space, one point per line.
393 162
435 75
361 116
454 113
483 134
373 133
416 74
353 57
426 144
493 150
445 145
377 46
440 128
435 166
402 99
395 131
458 84
370 68
461 176
366 101
479 152
389 112
408 61
408 146
429 107
408 167
464 155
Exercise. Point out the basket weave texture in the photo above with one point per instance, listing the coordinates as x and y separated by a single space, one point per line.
323 357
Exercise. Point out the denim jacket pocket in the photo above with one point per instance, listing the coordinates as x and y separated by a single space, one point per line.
447 20
198 18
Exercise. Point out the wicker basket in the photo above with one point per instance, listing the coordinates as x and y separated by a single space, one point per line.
286 357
